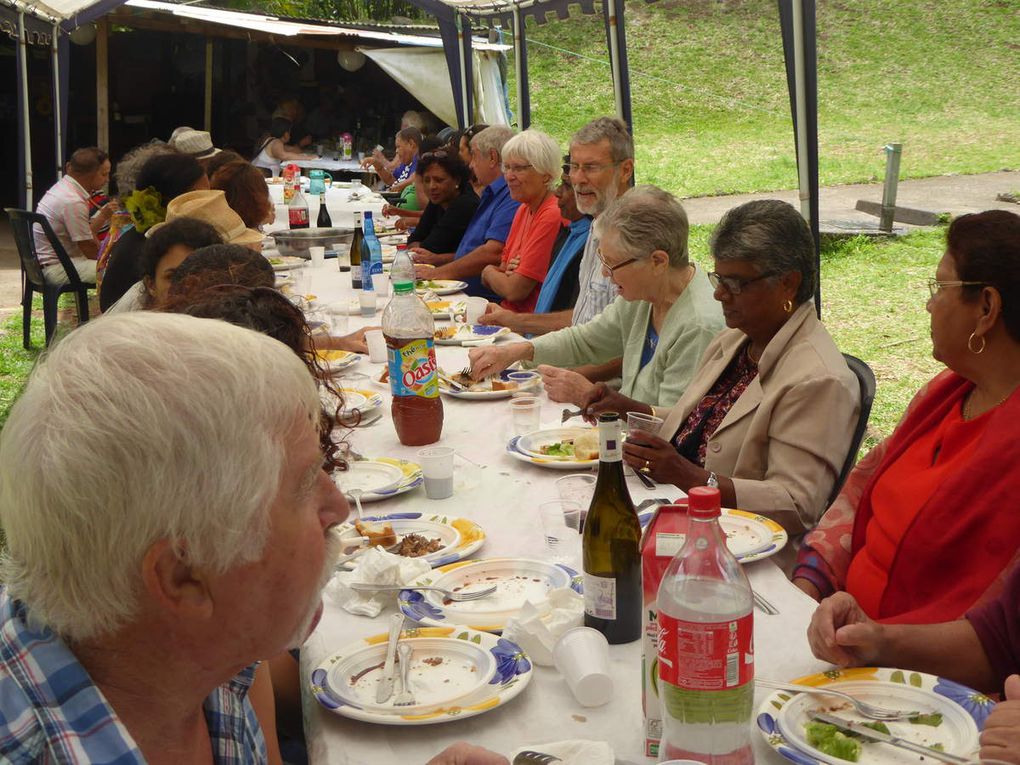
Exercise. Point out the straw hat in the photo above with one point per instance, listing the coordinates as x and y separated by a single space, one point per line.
210 206
197 143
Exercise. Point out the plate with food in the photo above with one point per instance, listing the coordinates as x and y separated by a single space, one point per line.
439 286
286 262
498 386
517 580
446 309
456 672
749 536
336 361
458 334
557 448
411 478
437 539
950 718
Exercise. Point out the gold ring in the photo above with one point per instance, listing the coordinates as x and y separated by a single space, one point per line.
647 464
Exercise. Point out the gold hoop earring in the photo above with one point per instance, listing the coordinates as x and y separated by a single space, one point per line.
970 341
788 306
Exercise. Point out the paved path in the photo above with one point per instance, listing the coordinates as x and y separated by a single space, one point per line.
955 194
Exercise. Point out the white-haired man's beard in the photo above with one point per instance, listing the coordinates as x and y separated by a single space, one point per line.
592 202
333 547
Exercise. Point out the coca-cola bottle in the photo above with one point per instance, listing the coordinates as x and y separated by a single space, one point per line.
297 208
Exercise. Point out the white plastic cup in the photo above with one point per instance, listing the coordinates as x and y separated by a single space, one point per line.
376 346
561 520
381 285
582 656
527 414
318 256
437 468
645 422
475 308
366 299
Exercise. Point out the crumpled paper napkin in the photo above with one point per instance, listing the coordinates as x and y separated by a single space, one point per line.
374 566
574 752
537 630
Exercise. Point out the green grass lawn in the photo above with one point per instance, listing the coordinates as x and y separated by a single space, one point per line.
712 115
15 361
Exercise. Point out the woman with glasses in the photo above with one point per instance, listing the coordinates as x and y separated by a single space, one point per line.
531 167
926 524
660 323
452 203
770 413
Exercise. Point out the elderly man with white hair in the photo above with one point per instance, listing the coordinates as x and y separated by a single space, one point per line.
160 542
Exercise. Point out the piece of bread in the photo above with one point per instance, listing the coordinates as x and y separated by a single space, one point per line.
379 533
500 385
586 445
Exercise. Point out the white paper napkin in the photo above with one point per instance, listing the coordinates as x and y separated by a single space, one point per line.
537 630
574 752
375 566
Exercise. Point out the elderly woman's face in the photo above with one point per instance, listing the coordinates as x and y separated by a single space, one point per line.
633 277
406 150
952 317
526 184
754 301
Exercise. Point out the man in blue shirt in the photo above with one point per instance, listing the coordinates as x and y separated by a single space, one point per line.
483 240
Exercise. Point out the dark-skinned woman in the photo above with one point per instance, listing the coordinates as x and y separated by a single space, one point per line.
452 202
771 410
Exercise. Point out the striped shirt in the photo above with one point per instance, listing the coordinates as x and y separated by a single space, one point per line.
51 711
595 291
66 207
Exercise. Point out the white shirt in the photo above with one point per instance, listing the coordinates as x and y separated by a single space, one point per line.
595 291
129 301
66 207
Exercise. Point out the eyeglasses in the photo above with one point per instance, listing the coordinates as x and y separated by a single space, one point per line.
590 168
934 285
516 169
609 268
438 154
732 284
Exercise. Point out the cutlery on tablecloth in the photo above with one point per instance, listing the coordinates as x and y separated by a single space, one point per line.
862 730
384 690
447 594
406 697
764 605
647 480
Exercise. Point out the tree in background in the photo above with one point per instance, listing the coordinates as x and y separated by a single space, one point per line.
332 10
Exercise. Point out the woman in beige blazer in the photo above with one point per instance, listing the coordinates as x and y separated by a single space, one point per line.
771 410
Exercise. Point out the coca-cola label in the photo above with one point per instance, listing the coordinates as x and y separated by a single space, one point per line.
706 656
298 217
413 369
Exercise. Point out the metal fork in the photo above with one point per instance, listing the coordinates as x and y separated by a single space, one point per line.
406 696
528 757
448 594
865 708
568 413
764 605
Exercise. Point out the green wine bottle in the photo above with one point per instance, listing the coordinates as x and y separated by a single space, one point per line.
356 252
611 546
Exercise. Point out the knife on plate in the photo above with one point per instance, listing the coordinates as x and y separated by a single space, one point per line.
384 689
862 730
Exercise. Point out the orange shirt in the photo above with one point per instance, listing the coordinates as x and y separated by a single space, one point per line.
531 239
900 494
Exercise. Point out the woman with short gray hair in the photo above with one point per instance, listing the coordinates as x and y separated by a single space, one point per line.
531 166
660 323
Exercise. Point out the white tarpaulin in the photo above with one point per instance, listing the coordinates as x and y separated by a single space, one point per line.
423 73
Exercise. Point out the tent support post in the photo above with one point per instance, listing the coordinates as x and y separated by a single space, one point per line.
521 67
58 154
800 103
24 123
463 75
617 38
207 119
103 85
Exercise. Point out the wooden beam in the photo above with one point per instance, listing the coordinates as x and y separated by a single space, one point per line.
208 83
103 84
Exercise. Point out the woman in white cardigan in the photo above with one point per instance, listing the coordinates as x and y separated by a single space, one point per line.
660 323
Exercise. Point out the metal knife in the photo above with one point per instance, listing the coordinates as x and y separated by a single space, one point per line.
864 731
384 689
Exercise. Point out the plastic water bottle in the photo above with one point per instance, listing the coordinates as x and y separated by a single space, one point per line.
706 645
372 259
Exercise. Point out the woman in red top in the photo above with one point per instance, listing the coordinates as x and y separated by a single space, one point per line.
927 522
531 166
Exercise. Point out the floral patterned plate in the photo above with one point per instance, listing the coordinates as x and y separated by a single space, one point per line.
412 479
459 536
749 536
516 580
335 361
456 672
781 718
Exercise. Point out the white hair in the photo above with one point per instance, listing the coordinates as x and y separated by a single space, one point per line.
135 428
540 151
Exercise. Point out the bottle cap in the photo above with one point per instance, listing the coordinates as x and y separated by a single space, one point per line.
402 288
609 417
703 502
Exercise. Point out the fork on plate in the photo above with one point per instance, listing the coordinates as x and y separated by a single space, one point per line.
872 711
448 594
406 696
528 757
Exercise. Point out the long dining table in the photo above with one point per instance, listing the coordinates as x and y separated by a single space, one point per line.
502 495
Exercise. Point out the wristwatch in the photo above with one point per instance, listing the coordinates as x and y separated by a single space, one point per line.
713 481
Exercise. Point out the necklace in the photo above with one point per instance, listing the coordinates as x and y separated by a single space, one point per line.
966 404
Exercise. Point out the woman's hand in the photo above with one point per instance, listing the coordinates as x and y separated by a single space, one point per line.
657 458
601 398
463 753
493 359
1000 739
842 633
564 386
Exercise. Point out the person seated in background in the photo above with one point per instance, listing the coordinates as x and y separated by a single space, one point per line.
66 205
531 167
484 238
661 322
770 412
413 199
981 650
291 109
407 141
160 180
560 288
451 203
948 472
126 172
246 191
464 148
273 150
197 144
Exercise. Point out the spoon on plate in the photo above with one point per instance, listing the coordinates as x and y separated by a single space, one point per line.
356 493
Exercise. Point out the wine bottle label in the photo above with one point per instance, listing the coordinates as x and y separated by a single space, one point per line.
610 446
600 596
706 656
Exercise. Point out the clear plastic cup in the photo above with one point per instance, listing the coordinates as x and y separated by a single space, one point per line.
646 422
582 657
527 414
525 380
579 488
437 468
381 285
561 520
366 300
376 346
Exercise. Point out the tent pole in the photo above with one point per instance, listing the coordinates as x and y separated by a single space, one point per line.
521 67
26 122
614 56
102 85
463 74
58 129
801 100
207 120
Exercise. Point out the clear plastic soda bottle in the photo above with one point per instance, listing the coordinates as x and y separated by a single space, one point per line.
706 645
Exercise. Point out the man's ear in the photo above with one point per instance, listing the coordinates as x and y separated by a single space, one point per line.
175 585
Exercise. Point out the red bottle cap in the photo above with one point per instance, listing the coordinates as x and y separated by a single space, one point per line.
703 502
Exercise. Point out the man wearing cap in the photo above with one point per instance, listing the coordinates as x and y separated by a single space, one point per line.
195 143
67 206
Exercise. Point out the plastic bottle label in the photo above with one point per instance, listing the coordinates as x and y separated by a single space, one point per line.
706 656
298 216
413 369
600 596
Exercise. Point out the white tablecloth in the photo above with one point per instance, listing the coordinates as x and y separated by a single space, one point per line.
338 201
503 495
332 165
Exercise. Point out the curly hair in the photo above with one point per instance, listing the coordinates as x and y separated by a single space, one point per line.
245 187
221 264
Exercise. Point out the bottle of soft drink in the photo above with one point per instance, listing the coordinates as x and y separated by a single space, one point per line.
409 330
374 248
297 208
402 269
706 645
289 173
